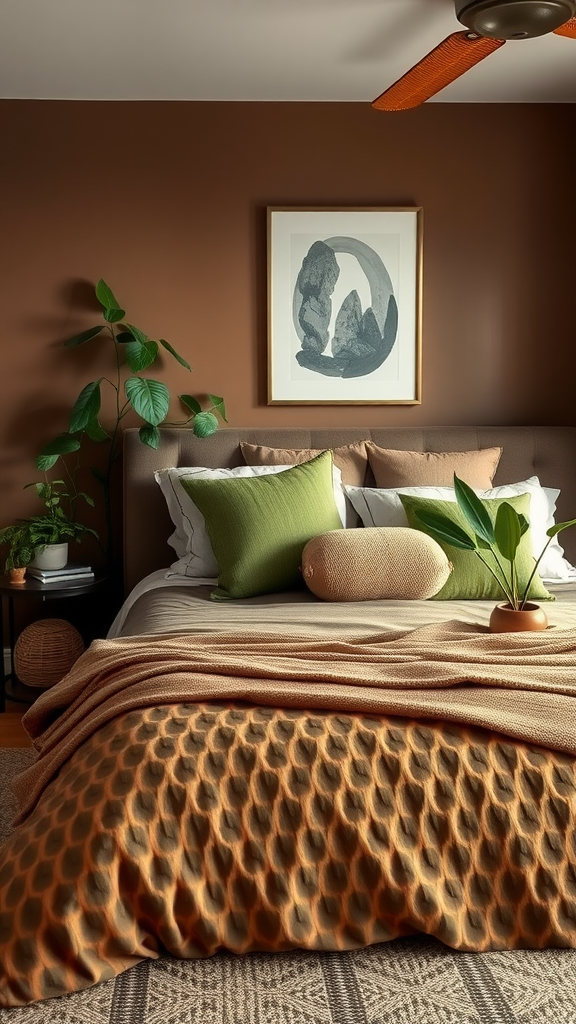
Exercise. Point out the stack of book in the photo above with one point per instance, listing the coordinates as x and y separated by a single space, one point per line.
69 574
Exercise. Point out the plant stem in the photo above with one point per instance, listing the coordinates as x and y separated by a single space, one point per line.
72 497
533 573
502 583
514 581
512 591
112 456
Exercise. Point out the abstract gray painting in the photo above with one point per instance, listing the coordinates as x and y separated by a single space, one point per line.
362 339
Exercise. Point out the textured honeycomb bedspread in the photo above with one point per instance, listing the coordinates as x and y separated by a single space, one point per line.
199 793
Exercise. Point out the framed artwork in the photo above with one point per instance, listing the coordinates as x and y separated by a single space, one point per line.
344 305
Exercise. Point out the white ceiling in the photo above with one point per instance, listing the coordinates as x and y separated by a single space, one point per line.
293 50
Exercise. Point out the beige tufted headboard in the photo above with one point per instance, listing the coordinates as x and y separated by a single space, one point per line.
547 452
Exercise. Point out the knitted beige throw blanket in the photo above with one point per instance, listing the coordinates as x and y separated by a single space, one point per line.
520 684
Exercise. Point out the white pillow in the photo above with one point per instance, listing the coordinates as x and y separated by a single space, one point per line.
382 507
190 539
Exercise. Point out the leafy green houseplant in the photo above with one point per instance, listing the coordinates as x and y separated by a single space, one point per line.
56 525
27 537
21 550
500 538
134 352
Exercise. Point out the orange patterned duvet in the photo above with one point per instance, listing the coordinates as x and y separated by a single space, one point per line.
182 826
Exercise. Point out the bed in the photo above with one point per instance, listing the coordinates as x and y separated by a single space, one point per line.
277 771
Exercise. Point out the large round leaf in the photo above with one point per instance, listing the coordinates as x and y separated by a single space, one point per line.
149 435
205 423
149 398
140 355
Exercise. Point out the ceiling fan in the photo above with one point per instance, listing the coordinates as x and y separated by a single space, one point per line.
489 24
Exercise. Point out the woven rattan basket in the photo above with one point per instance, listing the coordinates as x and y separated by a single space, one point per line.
45 651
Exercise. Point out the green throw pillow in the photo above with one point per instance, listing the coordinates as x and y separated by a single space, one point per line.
258 526
470 578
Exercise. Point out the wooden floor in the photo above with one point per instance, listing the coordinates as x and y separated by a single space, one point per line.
11 732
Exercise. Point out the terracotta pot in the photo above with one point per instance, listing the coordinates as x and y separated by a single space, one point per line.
505 619
17 575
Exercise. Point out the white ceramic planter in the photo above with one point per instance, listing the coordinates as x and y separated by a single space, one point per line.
51 556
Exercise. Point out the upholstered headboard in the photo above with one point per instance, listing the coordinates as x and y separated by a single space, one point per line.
547 452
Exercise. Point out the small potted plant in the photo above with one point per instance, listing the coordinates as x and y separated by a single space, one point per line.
43 539
20 550
50 532
501 538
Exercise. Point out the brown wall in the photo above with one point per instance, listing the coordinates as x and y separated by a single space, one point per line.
167 202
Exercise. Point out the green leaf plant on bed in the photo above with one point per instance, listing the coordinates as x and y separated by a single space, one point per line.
500 537
133 354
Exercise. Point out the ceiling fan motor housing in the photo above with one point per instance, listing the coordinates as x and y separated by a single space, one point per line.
514 19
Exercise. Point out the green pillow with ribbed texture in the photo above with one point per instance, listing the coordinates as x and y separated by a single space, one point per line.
258 526
470 578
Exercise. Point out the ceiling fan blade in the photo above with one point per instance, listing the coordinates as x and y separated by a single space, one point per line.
446 62
567 29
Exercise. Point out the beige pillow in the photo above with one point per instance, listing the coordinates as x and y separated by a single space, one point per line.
374 563
351 459
393 468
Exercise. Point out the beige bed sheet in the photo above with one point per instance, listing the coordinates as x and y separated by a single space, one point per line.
187 609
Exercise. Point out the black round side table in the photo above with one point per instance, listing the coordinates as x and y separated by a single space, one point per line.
11 688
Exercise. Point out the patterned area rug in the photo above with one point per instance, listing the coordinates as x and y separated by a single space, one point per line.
408 981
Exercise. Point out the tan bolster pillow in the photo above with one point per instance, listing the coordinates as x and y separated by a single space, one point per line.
374 563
